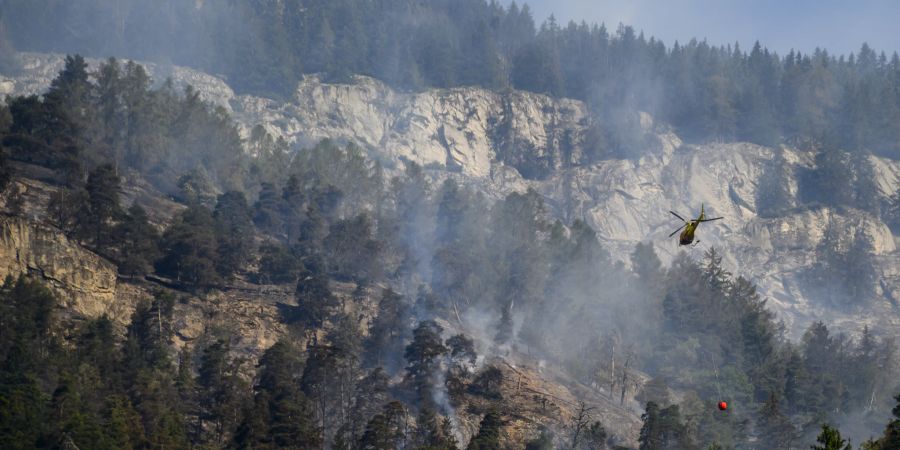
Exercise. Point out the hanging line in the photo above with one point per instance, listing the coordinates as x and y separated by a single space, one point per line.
716 372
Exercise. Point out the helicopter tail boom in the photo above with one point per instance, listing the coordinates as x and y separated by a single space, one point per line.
679 229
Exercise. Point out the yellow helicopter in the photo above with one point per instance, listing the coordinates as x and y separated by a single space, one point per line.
690 226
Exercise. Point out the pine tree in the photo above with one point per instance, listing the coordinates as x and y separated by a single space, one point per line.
280 414
6 172
69 94
138 241
351 250
423 360
830 438
146 365
488 437
378 435
388 331
370 395
315 303
98 220
221 389
773 427
267 210
663 429
189 248
434 432
233 228
650 430
277 265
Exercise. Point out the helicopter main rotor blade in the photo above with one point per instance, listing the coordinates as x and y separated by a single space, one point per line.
676 215
679 229
710 220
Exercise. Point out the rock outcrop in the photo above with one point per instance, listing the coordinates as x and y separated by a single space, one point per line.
84 282
501 143
463 130
505 142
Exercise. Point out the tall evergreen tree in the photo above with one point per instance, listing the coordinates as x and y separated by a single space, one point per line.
488 437
138 241
233 227
423 360
830 439
98 220
189 248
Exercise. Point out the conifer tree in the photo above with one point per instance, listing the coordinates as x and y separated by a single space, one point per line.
189 248
233 227
830 439
423 360
137 243
103 210
488 437
773 427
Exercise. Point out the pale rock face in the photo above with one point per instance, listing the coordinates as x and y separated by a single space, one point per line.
39 69
489 140
628 202
451 129
84 282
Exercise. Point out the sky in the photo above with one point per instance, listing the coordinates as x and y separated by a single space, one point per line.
838 26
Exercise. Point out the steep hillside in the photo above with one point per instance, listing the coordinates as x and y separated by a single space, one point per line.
498 143
515 140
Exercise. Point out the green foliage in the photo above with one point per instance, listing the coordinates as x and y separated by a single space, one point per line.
388 331
267 209
845 273
663 429
220 387
195 188
117 119
280 414
830 439
189 248
234 231
6 172
423 356
315 302
773 427
277 265
459 262
98 220
138 243
22 412
488 437
346 170
434 432
488 383
708 91
351 250
544 441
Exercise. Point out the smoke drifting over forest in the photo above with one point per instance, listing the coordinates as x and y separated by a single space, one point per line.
410 289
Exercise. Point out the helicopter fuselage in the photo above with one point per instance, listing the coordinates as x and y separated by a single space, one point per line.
687 235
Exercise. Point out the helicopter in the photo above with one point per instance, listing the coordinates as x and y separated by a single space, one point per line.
690 226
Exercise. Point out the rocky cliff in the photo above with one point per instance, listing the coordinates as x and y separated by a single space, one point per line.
504 142
500 143
84 282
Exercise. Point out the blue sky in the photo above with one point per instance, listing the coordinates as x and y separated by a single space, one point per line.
839 26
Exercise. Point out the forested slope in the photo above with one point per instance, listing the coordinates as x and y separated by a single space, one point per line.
356 267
